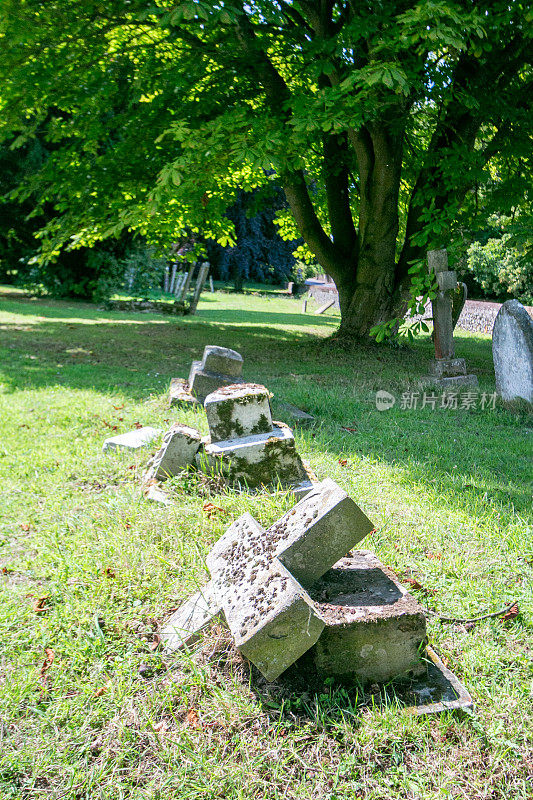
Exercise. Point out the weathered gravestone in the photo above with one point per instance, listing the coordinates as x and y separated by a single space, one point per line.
291 590
512 351
244 446
446 370
289 597
220 366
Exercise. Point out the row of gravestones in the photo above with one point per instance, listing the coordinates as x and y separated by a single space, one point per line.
296 591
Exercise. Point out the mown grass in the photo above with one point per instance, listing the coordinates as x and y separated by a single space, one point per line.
89 569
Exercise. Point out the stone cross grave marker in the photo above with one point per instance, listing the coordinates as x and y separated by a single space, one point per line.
446 369
512 351
259 579
220 366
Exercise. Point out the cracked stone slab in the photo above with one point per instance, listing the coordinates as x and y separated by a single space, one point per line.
238 411
133 440
318 530
263 459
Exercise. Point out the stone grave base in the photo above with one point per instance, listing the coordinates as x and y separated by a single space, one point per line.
452 382
374 632
180 393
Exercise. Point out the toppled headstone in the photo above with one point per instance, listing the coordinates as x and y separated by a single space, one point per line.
132 440
446 370
220 366
292 591
245 446
512 351
178 450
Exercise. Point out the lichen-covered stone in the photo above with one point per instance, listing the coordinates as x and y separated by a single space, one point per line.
237 411
512 350
260 460
374 629
269 614
202 382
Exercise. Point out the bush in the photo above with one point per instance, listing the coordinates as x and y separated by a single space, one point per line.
501 270
96 274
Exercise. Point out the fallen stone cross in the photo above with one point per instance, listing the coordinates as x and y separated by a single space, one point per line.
245 446
446 370
512 351
220 366
292 590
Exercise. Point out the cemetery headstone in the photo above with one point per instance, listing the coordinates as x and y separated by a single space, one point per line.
220 366
244 445
512 351
446 370
291 591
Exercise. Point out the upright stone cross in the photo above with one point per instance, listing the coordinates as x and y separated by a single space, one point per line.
260 579
446 369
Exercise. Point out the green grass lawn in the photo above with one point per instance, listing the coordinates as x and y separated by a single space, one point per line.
90 708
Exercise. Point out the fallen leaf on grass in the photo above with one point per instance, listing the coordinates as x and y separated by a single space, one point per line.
161 727
5 571
25 526
414 584
511 614
350 430
47 663
343 462
437 556
109 572
119 408
138 425
40 603
211 509
99 692
156 642
192 719
109 425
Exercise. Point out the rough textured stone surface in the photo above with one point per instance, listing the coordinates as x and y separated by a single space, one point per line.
180 446
180 393
202 382
447 281
318 531
238 411
269 614
437 261
258 460
222 360
447 367
132 440
458 381
512 351
375 630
